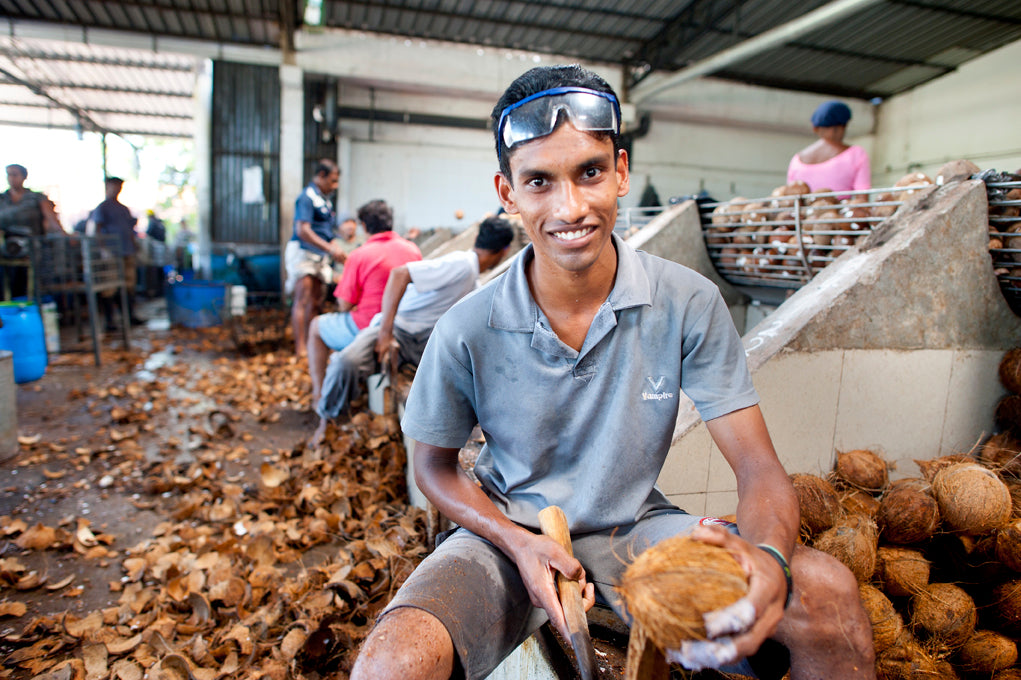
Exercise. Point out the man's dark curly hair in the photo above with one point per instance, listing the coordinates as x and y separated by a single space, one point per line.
376 216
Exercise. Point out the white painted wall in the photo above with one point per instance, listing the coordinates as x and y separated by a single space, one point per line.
971 113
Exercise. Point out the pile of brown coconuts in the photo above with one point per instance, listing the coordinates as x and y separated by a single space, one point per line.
937 556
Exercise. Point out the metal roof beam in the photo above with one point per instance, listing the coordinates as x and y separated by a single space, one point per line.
96 88
827 88
531 25
661 50
41 55
118 112
119 133
763 42
81 115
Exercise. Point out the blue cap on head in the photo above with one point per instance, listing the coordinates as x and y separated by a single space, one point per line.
830 114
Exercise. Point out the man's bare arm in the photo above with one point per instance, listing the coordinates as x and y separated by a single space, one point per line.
306 234
439 476
767 513
396 283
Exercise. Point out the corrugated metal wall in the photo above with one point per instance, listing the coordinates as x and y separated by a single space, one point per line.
245 135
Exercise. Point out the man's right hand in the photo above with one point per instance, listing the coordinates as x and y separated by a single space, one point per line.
538 557
337 252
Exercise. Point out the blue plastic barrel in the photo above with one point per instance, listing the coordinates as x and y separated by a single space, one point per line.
22 334
197 304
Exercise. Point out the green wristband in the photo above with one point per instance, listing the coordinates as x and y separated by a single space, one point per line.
778 556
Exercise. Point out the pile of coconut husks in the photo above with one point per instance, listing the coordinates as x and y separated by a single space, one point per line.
937 556
272 569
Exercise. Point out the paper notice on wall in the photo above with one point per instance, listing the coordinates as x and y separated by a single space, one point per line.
251 185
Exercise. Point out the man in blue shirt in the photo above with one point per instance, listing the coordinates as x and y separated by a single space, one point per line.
111 217
312 250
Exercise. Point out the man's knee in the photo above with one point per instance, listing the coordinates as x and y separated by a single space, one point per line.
405 644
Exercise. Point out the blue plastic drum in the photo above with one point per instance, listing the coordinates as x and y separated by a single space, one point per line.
23 335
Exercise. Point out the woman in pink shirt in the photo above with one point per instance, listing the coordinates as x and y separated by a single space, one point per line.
829 164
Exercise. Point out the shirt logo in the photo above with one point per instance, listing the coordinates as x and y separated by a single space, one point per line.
657 385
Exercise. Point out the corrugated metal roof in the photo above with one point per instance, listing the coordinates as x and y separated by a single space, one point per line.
49 83
885 49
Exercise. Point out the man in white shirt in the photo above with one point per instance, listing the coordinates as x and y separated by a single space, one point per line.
416 296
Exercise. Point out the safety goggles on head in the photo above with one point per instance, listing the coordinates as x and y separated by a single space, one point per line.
536 115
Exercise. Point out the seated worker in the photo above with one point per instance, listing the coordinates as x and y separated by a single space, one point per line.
360 291
416 295
828 164
571 363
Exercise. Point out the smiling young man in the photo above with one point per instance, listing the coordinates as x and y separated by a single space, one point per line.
572 362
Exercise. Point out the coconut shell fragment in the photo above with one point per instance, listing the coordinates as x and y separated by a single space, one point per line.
669 587
819 502
862 469
908 513
971 498
858 502
945 613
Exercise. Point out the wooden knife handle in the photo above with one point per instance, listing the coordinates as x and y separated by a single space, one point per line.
553 523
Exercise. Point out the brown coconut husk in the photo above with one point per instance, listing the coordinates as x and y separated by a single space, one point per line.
1005 605
853 541
1015 497
1008 545
945 613
901 571
858 502
819 502
1008 411
908 513
929 467
1002 453
887 624
971 498
910 660
671 585
862 469
1010 371
1008 674
986 652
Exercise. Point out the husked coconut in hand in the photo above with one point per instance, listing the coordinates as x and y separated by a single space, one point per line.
672 585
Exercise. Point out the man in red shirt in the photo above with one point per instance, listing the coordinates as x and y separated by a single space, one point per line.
360 291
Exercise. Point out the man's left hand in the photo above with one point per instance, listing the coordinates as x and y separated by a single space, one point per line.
737 631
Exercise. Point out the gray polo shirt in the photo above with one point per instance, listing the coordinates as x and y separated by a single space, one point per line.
588 431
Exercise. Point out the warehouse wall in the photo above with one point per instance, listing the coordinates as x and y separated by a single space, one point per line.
971 113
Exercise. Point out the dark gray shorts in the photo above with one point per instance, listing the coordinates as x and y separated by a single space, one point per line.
476 592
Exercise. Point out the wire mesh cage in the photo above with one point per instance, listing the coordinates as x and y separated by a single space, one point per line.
785 239
78 263
1004 193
